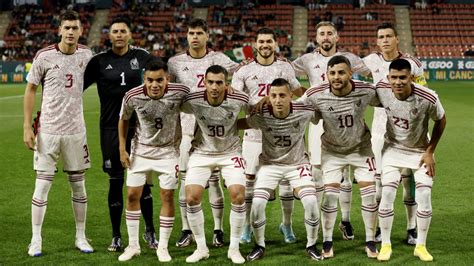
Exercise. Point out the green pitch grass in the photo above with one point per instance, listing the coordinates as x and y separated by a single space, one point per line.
449 240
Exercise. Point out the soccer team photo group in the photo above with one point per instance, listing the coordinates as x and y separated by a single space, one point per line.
174 150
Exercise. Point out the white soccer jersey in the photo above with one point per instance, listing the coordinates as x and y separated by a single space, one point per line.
379 67
158 131
255 80
283 139
217 132
407 123
190 71
61 77
344 125
314 65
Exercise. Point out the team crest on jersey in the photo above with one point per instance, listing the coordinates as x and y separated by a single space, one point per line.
296 124
230 115
414 111
269 129
81 64
134 64
172 106
358 103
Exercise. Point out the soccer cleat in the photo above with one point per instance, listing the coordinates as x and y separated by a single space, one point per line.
371 250
34 249
288 234
186 239
163 254
256 253
83 245
198 255
346 229
234 255
218 239
411 236
378 236
422 253
246 237
314 253
150 239
327 251
385 252
116 244
129 253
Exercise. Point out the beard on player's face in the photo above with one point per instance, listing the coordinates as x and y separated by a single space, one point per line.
265 52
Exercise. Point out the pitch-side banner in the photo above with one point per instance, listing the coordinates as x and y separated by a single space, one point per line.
449 68
13 72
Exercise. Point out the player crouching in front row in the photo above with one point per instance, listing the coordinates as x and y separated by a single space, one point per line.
409 107
283 157
154 150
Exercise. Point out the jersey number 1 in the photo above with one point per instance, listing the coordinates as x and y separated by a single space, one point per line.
123 79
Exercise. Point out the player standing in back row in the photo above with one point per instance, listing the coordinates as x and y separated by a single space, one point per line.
189 68
314 65
387 42
60 129
116 71
255 79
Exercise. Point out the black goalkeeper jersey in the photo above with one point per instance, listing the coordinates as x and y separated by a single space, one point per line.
115 75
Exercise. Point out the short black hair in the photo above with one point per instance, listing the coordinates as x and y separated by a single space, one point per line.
121 19
216 69
400 64
197 23
280 82
339 59
386 25
265 31
69 15
156 65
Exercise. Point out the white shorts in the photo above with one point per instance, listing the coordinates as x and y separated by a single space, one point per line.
201 166
314 142
333 164
141 169
72 149
378 131
269 176
184 148
251 151
396 163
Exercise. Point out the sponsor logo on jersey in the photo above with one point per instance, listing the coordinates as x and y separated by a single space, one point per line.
330 109
296 124
81 64
388 108
317 66
108 67
185 68
255 77
56 67
134 64
202 118
269 129
377 71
